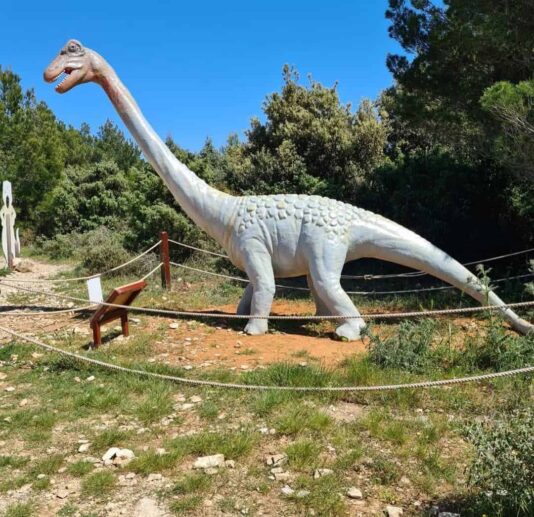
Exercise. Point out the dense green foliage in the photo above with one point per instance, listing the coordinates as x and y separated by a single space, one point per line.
447 150
503 468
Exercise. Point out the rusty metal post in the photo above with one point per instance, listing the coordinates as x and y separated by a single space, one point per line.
165 260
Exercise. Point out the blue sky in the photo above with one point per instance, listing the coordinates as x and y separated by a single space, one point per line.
201 68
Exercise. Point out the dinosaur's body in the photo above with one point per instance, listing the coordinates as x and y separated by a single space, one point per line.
280 235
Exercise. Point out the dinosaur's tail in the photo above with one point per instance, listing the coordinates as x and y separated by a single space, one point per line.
389 241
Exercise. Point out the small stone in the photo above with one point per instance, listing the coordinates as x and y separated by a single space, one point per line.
174 325
84 447
302 493
319 473
41 476
154 477
448 514
206 462
160 451
135 320
9 388
211 471
62 493
282 476
187 406
77 379
90 378
276 460
23 402
405 481
229 464
188 367
3 376
287 490
393 511
110 453
195 399
354 493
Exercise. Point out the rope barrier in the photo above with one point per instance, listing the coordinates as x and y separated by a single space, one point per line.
88 277
387 315
362 293
372 277
263 387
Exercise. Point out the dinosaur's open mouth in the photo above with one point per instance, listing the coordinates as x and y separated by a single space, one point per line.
67 79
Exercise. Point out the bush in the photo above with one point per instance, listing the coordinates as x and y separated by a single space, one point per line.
503 467
102 249
409 349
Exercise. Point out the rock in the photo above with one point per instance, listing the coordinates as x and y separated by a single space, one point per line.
160 451
188 367
147 507
62 493
41 476
154 477
405 481
354 493
3 376
302 493
23 402
319 473
281 476
187 406
9 388
91 378
110 454
117 456
211 471
287 490
448 514
195 399
135 320
174 325
229 464
84 447
276 460
207 462
393 511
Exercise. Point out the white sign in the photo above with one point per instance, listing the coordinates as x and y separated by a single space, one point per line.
94 288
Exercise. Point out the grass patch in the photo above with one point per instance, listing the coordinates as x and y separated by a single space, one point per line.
151 461
80 468
192 483
99 485
303 454
186 504
296 419
20 510
110 438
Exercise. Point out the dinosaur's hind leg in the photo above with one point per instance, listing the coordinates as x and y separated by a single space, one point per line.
321 308
325 271
259 269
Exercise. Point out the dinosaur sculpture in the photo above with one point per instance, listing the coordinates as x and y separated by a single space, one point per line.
280 235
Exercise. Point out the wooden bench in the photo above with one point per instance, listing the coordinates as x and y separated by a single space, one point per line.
123 295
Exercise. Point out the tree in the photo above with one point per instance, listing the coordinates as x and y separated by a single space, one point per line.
310 143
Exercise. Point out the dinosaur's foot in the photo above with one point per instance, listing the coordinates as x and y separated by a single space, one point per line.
350 331
256 327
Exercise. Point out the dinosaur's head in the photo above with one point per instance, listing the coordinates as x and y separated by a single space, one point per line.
80 65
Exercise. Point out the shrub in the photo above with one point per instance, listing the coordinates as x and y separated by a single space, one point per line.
503 467
102 249
409 349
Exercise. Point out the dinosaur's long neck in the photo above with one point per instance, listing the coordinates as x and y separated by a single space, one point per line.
209 208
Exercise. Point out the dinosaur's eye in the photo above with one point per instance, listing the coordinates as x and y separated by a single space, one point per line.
73 47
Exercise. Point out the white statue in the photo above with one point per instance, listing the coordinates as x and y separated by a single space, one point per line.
10 238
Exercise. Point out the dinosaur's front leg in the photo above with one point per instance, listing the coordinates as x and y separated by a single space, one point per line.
246 301
259 269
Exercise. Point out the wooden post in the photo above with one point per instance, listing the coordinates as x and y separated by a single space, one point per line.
165 259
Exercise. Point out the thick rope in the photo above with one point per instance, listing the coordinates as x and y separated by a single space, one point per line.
88 277
372 277
263 387
362 293
386 315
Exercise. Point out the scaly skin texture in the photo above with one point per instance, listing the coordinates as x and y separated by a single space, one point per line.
276 236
